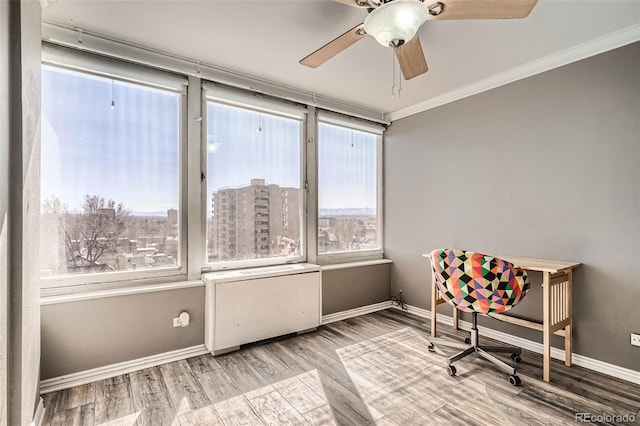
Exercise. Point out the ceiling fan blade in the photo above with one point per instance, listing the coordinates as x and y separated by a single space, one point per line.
482 9
411 58
334 47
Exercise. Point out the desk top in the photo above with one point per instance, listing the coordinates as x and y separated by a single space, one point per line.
542 265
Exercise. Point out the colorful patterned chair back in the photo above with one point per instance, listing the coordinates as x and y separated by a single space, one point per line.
475 282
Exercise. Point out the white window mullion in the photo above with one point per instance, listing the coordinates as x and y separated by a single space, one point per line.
194 188
312 186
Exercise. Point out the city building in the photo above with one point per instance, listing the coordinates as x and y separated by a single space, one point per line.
257 220
172 216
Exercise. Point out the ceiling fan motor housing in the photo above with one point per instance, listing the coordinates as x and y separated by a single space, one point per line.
396 22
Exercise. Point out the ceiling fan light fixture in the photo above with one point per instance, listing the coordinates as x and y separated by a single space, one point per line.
396 22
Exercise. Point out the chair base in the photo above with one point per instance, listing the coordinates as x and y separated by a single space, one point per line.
474 348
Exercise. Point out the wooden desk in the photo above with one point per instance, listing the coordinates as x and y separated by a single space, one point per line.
556 305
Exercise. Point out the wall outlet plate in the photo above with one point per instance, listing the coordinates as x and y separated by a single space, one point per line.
635 339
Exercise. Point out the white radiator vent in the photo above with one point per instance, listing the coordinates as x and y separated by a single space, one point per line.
267 271
245 306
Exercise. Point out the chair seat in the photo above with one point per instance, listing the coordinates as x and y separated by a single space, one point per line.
475 282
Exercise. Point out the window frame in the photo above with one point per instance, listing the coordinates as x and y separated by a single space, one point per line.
113 69
256 102
115 60
357 124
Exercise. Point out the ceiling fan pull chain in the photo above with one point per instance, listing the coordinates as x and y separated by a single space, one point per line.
113 96
393 74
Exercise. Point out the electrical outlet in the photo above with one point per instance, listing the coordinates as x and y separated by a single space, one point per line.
182 320
635 339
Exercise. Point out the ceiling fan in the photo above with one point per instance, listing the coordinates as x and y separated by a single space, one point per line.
395 23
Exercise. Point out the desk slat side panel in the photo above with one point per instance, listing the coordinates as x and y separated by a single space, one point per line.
559 326
559 288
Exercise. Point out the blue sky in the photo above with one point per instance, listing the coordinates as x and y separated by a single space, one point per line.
130 153
244 144
347 168
259 145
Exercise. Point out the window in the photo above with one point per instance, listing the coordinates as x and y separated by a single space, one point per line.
349 182
115 182
110 175
254 175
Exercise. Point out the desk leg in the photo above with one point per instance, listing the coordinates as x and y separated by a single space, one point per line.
434 306
567 329
546 326
455 319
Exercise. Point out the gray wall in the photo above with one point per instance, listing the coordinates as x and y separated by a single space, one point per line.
545 167
82 335
20 23
349 288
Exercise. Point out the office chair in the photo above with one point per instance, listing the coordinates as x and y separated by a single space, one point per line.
477 283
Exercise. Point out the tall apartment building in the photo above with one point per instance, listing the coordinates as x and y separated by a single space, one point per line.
172 216
253 221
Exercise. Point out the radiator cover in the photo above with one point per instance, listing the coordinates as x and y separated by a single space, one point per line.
248 305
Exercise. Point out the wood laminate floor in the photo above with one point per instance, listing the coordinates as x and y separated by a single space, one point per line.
372 369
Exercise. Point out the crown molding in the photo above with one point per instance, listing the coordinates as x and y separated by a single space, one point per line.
585 50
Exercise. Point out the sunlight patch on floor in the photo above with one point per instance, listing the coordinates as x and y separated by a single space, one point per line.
123 421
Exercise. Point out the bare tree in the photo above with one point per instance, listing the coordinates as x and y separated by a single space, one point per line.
350 232
92 232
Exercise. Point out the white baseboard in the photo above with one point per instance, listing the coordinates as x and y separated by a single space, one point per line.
339 316
88 376
39 414
581 360
108 371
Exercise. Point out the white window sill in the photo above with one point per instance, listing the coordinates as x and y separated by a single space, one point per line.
114 292
261 272
80 294
355 264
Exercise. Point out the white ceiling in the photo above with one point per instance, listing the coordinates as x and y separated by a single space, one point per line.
267 38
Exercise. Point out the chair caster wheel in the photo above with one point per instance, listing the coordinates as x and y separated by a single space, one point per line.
467 340
515 380
430 347
451 370
516 358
